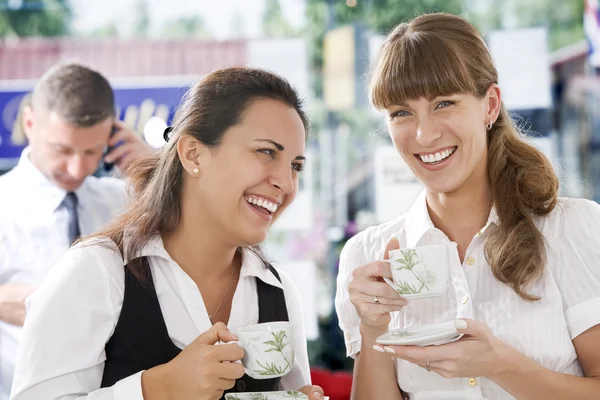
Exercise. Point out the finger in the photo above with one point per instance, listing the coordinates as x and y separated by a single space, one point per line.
376 310
472 328
224 384
228 352
313 392
375 269
393 244
122 134
118 152
218 331
230 371
316 393
383 301
372 288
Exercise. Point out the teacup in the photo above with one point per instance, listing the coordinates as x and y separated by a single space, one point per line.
268 349
420 272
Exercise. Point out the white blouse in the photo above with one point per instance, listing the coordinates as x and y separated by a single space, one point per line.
75 311
543 330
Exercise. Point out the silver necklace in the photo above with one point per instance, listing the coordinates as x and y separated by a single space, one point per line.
223 296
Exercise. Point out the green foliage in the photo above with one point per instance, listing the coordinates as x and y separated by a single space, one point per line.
36 18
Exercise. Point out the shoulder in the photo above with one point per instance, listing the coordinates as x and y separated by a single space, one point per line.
11 187
286 281
93 261
571 215
110 184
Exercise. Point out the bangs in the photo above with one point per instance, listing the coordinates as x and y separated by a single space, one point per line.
418 65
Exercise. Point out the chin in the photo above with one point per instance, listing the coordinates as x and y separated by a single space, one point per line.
441 186
254 237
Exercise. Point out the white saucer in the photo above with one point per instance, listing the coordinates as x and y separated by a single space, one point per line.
425 335
282 395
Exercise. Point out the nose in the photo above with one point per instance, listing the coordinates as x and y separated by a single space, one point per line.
427 133
77 167
283 178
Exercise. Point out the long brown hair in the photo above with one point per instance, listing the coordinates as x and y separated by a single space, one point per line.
212 106
442 54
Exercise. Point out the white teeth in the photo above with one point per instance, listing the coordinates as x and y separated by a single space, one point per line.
431 158
272 207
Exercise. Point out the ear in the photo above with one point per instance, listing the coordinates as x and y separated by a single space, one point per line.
493 99
191 153
28 121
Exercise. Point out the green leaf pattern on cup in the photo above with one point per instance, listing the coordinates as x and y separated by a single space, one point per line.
409 262
402 333
277 344
292 394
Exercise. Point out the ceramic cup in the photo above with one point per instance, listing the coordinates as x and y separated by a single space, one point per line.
268 349
420 272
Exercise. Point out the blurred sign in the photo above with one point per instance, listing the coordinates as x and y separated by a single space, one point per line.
135 106
345 63
521 57
286 57
396 187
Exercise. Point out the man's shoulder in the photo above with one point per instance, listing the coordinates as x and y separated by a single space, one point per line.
106 186
11 189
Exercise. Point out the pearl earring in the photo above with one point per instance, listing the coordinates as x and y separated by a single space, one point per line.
195 170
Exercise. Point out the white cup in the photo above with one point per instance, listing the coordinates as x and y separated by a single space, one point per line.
420 272
268 349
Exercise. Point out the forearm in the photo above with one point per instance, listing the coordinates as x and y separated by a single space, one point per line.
374 372
524 379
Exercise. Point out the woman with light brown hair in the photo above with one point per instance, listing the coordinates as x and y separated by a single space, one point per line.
525 275
145 309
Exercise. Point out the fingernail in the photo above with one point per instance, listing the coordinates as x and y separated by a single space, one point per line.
461 324
318 395
378 348
390 350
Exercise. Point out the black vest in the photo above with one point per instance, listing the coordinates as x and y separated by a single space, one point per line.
141 340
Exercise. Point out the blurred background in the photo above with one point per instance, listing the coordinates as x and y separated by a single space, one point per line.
547 53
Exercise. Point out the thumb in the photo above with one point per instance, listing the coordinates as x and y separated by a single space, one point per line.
218 332
392 245
472 328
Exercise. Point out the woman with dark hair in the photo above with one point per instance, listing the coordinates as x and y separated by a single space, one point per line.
525 289
142 309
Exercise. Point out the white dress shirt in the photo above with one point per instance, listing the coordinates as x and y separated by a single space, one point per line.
34 234
543 330
74 313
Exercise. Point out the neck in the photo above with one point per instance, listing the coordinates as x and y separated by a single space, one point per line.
461 214
201 253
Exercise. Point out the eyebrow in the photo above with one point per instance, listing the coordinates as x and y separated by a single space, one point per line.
279 147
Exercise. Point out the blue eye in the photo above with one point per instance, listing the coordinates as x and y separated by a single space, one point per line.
444 104
399 113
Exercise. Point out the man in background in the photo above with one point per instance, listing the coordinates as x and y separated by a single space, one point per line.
51 197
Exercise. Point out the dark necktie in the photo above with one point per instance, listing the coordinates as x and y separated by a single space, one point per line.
70 203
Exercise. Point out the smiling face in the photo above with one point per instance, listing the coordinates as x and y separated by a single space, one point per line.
438 85
444 140
243 185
